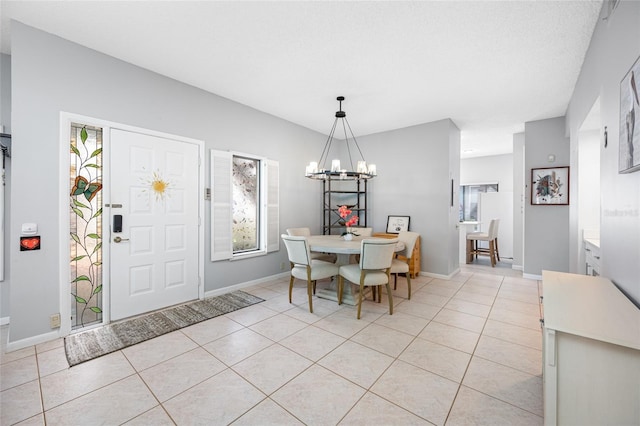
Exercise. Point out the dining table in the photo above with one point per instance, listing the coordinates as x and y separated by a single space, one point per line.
344 249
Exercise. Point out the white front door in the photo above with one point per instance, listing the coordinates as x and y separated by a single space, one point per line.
154 188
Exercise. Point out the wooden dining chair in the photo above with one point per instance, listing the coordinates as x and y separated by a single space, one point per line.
376 256
401 265
306 232
303 267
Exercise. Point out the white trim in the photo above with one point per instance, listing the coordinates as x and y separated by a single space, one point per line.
63 224
532 277
517 267
32 341
4 320
480 184
247 255
220 177
106 229
443 277
272 205
66 119
201 227
240 286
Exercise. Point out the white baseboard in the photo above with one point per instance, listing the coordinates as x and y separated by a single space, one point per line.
42 338
532 277
517 267
31 341
442 277
240 286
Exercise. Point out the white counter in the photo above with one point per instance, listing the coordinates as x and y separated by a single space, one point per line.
591 352
465 228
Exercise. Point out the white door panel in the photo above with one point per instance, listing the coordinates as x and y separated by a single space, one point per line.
155 264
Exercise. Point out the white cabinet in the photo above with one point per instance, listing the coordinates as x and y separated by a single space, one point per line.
591 352
592 256
465 228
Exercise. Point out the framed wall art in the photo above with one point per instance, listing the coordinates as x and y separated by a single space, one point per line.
550 186
397 224
630 120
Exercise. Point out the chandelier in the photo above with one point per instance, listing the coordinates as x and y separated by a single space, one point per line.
319 169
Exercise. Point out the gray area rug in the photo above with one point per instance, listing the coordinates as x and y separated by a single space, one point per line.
94 343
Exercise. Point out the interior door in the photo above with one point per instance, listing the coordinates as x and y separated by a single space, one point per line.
154 202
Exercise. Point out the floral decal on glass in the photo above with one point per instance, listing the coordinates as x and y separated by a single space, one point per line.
245 204
85 208
159 186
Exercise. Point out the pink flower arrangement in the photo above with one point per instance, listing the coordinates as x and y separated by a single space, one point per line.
344 213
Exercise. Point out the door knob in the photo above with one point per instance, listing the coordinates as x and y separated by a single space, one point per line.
118 239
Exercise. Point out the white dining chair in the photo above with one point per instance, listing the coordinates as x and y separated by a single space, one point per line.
303 267
376 256
299 232
306 232
401 266
491 236
363 232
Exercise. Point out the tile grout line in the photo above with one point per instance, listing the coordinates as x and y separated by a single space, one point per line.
148 388
366 390
507 366
313 363
455 397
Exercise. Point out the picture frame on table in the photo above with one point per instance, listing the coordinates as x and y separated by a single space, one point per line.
629 144
550 186
397 224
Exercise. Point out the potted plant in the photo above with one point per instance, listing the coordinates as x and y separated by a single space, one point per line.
344 213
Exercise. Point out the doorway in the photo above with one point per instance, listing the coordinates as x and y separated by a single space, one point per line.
586 211
150 240
154 222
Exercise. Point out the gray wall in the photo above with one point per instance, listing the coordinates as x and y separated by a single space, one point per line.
489 169
614 48
5 120
414 181
51 75
5 92
546 238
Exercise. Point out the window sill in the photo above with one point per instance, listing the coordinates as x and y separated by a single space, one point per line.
248 255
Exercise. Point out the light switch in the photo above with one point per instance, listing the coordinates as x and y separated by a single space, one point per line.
29 228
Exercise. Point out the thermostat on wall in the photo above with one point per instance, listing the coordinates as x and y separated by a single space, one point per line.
29 228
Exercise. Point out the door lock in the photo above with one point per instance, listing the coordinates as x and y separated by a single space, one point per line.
118 239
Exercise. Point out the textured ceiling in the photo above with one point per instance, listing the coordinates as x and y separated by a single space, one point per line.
490 66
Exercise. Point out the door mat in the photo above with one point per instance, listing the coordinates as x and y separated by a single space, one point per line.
94 343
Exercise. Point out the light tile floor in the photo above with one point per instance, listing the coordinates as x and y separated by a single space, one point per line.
461 351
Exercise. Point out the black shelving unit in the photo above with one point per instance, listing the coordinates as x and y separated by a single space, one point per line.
337 192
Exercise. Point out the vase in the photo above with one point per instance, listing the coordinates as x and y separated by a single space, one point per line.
348 237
